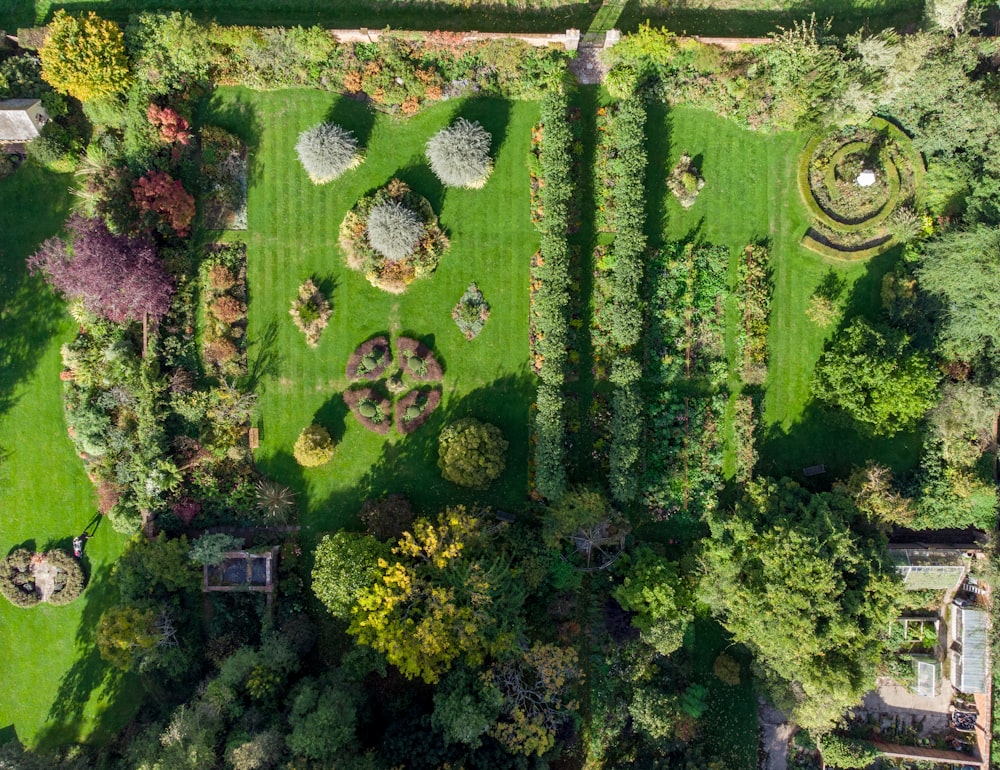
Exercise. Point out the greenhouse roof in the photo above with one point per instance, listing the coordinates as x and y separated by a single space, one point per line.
928 569
970 673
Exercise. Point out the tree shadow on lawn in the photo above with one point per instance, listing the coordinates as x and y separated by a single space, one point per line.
827 436
239 118
263 358
422 181
88 674
409 464
492 114
333 416
30 313
355 115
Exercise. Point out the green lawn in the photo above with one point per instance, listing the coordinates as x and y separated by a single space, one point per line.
293 229
751 194
55 689
730 723
706 17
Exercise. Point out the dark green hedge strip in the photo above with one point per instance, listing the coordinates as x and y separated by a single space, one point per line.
551 300
630 206
626 429
628 138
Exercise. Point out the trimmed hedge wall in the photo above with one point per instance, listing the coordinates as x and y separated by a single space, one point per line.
550 306
630 204
629 173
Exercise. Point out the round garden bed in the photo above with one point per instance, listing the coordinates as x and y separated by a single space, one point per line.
859 183
393 237
27 578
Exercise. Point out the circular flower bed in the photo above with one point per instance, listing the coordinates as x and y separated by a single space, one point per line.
369 405
27 578
393 237
859 183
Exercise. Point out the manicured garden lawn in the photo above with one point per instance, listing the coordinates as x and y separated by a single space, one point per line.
751 194
293 234
56 689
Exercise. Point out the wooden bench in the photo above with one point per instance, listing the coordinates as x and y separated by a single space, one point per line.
814 470
254 438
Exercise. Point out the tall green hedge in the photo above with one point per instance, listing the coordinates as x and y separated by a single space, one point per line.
629 171
551 300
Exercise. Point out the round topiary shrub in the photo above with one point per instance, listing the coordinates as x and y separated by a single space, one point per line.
459 155
27 578
394 230
326 151
370 408
471 453
393 237
313 447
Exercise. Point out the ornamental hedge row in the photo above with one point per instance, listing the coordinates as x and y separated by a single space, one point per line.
550 300
628 171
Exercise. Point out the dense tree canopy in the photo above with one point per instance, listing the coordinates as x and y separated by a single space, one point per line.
346 564
115 276
804 583
871 373
962 267
84 56
446 596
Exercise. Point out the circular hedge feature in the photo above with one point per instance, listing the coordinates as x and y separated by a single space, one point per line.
859 183
392 236
27 578
314 447
459 155
326 151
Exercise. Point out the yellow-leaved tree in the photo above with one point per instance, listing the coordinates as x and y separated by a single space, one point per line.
84 56
444 597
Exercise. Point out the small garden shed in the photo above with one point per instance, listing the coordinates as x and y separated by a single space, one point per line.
21 120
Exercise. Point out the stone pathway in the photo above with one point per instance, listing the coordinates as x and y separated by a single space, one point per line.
776 733
587 65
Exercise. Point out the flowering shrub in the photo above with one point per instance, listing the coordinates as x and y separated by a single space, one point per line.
159 194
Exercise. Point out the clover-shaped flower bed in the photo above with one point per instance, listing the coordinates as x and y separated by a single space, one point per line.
393 237
413 409
27 579
371 407
370 360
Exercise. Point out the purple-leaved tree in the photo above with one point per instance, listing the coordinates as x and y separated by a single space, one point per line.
117 277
